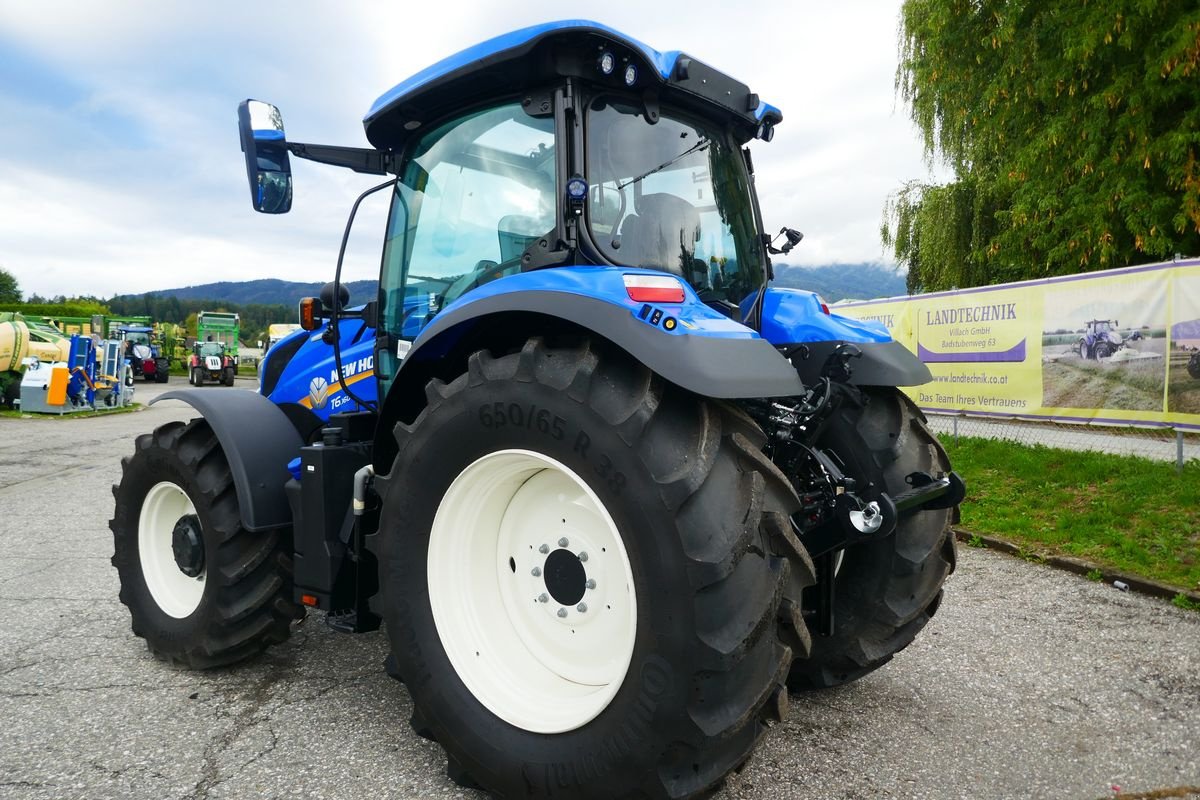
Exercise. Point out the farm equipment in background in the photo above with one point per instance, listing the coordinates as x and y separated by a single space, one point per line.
22 339
220 326
1101 339
1193 365
278 332
93 376
146 352
211 361
612 493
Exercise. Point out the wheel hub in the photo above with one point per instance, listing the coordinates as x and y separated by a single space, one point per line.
187 544
566 579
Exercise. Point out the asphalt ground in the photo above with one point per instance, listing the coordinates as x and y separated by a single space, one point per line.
1029 682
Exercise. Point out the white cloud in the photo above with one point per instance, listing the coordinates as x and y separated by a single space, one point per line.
138 182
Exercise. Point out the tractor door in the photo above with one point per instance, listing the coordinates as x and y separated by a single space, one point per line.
472 194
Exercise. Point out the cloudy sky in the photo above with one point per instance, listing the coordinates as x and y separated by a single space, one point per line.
119 162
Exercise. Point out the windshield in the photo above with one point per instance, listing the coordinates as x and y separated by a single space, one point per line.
673 196
475 192
212 349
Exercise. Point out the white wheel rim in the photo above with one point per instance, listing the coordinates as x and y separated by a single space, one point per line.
174 592
537 663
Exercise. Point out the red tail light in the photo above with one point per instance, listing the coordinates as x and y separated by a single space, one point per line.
653 288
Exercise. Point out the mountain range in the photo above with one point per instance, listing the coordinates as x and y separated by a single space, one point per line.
833 282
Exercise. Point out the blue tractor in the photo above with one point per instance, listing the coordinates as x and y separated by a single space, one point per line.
611 494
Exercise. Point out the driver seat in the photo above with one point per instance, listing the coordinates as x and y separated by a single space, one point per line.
662 235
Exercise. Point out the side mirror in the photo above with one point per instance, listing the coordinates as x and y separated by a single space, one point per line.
327 296
267 166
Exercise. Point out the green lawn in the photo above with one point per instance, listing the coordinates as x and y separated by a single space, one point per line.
1123 513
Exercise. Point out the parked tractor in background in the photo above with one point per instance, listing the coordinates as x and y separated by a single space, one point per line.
145 351
1101 339
211 362
220 326
612 493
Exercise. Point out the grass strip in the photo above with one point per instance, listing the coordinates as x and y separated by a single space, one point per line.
1122 512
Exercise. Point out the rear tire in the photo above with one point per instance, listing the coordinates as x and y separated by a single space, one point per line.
887 590
162 370
232 598
517 455
227 376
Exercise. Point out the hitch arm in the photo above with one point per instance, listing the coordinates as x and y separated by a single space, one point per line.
929 493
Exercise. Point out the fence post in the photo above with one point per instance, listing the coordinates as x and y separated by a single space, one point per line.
1179 451
956 431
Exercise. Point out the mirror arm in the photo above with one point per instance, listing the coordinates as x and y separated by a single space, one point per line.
359 159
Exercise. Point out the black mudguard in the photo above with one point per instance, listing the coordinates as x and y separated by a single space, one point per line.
881 363
259 441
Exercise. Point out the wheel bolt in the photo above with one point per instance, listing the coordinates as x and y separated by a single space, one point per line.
591 583
562 612
581 608
563 542
544 549
543 598
536 572
583 555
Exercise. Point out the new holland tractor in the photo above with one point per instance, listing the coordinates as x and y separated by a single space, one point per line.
145 352
611 494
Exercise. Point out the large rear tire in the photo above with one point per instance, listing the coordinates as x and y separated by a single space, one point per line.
887 590
201 589
512 473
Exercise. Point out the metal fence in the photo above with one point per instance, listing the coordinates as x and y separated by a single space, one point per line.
1156 444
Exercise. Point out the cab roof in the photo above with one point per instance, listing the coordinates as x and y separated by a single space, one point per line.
519 61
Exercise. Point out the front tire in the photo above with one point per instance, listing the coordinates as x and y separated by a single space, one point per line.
201 589
510 475
888 589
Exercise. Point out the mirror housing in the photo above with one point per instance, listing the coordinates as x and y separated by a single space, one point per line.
268 168
327 296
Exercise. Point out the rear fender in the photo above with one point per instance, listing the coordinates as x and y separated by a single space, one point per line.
259 441
687 343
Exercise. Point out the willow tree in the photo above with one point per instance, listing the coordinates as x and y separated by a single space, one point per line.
1072 131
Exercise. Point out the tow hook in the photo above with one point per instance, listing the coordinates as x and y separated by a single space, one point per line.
857 521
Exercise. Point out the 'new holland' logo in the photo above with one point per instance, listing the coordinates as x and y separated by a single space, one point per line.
351 368
318 392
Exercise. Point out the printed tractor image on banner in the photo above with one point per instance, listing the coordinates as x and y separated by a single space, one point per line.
1106 347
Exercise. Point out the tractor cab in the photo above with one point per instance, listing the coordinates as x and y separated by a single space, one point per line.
562 145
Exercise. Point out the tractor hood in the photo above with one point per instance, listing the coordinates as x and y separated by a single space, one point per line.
525 59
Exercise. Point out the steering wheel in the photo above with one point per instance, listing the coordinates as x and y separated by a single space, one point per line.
485 271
